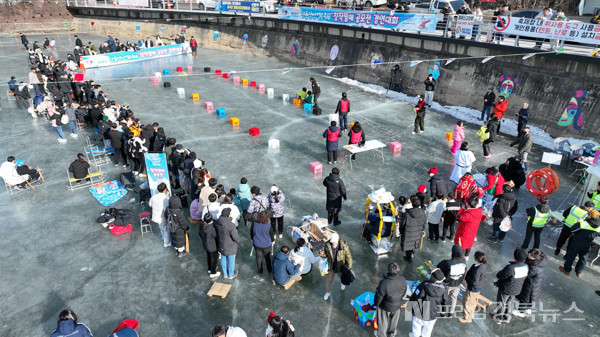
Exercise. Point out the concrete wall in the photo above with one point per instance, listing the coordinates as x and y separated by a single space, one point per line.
546 82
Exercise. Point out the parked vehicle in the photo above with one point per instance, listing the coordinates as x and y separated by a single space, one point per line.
368 3
206 4
532 13
437 5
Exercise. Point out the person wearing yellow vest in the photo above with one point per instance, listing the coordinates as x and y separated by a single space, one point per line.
357 136
536 221
572 215
584 232
332 134
595 197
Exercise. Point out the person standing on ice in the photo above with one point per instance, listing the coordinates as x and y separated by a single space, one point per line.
499 109
332 134
396 81
488 103
343 108
336 190
493 125
457 136
316 90
464 160
420 116
429 87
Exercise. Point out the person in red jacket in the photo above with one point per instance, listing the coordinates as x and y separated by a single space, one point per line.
495 181
468 224
499 109
194 46
357 136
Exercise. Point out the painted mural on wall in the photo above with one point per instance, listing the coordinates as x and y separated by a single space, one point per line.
264 41
215 35
244 39
507 85
334 52
375 60
435 71
138 27
572 113
296 46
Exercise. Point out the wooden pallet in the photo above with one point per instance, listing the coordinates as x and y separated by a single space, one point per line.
219 289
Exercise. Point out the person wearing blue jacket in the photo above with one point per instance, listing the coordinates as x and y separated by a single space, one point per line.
284 271
244 195
263 237
68 326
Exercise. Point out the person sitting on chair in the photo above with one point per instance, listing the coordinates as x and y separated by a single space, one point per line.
23 169
8 172
372 227
80 168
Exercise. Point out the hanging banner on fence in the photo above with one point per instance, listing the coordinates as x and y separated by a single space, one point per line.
406 21
464 24
585 33
133 3
156 165
111 59
240 6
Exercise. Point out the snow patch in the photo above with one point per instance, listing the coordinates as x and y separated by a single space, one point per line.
509 126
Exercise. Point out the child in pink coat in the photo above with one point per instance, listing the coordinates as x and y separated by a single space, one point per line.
457 136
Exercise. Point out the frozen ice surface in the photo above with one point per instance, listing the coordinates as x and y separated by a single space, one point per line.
55 256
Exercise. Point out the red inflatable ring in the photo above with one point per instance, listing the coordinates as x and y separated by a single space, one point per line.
540 190
555 181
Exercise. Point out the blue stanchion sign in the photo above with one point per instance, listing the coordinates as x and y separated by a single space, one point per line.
385 20
111 59
156 165
240 6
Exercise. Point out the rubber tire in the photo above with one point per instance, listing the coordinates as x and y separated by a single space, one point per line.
201 6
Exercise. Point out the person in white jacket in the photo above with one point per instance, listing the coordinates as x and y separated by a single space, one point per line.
434 216
303 253
235 211
228 331
8 172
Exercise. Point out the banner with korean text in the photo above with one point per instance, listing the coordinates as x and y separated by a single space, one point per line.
580 32
386 20
156 165
111 59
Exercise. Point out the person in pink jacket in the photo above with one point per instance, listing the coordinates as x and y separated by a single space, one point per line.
457 136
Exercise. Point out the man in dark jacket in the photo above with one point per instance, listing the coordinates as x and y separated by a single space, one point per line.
316 90
437 183
284 271
571 215
332 135
525 142
228 243
116 140
536 220
335 192
24 40
454 271
337 253
429 88
177 225
22 96
208 234
426 303
412 228
584 233
523 116
509 283
506 205
388 300
488 102
396 81
420 111
78 41
79 167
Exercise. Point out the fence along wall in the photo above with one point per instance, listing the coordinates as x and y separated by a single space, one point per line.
546 82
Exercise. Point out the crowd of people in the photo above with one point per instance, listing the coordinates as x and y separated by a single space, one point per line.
218 212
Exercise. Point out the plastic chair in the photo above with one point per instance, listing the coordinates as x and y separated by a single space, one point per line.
145 226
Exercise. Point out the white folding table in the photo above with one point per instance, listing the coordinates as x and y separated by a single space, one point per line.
374 145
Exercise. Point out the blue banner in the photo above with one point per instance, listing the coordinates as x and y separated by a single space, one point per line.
156 165
385 20
239 6
110 59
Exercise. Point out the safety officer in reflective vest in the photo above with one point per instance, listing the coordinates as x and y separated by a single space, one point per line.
572 215
595 197
584 232
536 220
332 134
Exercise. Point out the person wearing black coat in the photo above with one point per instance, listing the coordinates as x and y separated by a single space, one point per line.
583 234
335 192
79 167
513 171
388 300
316 90
474 281
454 270
208 233
510 283
506 205
177 225
492 129
488 102
429 88
425 314
532 287
116 140
437 183
228 243
449 216
412 228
